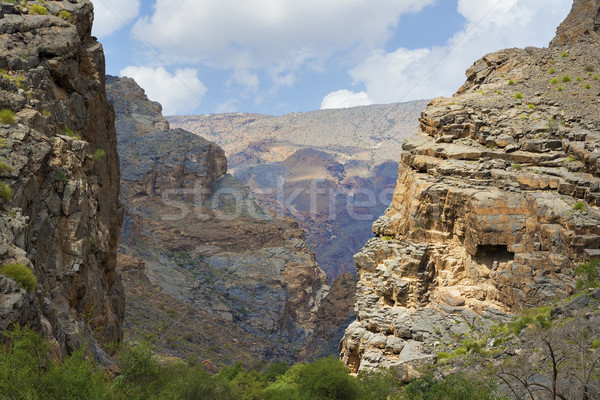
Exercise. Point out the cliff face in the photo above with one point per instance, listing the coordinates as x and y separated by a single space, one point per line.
63 218
496 203
196 245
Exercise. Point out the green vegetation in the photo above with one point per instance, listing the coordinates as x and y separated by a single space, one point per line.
531 106
589 68
564 54
554 81
60 176
5 168
587 275
560 88
552 71
511 82
5 192
517 167
578 79
579 206
21 274
64 14
596 78
518 96
39 9
386 238
453 387
69 132
588 86
566 79
7 116
99 155
46 113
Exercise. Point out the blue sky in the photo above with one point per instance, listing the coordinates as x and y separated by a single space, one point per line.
280 56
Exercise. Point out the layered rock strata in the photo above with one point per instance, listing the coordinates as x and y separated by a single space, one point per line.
496 203
197 247
59 158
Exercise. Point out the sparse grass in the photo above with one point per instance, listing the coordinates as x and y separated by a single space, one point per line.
60 176
519 96
578 79
589 68
5 192
531 106
517 167
7 116
46 113
69 132
99 154
38 9
552 71
5 168
64 14
21 274
564 54
572 159
566 79
554 81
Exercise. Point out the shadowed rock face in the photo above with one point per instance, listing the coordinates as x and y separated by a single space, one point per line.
497 202
64 217
196 246
582 24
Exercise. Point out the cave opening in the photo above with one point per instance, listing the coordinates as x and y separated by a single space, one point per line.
488 254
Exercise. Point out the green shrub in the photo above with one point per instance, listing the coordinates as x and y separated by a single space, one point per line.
60 176
579 206
99 155
7 116
21 274
531 106
552 71
517 167
452 387
5 192
578 79
64 14
596 78
588 86
564 54
560 88
554 81
566 79
327 379
511 82
519 96
587 274
39 9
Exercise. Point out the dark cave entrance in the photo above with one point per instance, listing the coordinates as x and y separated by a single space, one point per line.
487 254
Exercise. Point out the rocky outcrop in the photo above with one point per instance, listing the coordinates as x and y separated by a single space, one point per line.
197 246
496 204
59 158
582 24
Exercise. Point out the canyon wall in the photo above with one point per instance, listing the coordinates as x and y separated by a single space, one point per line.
496 202
59 158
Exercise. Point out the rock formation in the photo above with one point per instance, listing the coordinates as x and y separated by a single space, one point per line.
496 202
309 166
59 158
197 247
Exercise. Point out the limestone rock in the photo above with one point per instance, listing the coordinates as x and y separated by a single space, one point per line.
497 201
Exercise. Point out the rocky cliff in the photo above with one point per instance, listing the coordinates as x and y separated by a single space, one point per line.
60 216
197 247
497 202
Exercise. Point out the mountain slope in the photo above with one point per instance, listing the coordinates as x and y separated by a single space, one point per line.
331 170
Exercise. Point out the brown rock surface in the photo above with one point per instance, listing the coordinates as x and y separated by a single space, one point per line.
497 202
64 216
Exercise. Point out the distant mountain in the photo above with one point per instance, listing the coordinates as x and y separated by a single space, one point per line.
332 170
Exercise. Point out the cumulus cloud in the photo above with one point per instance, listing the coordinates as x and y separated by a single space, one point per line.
491 25
110 15
179 93
263 33
345 99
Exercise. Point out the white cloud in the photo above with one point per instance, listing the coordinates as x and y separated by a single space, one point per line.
110 15
261 33
491 25
345 99
178 93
